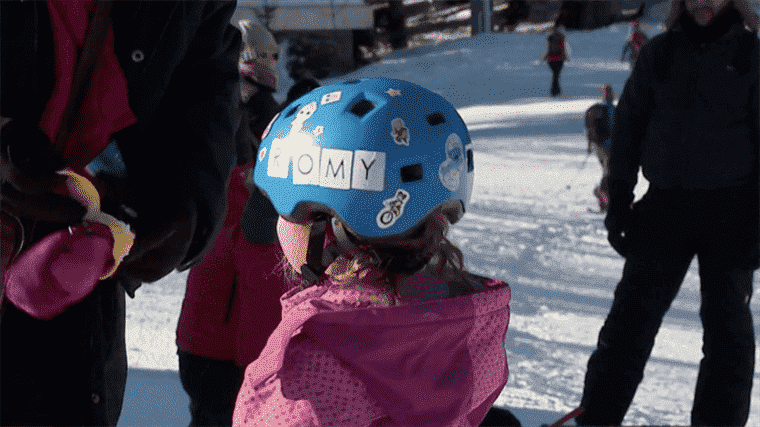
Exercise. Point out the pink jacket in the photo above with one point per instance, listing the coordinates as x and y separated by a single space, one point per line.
337 359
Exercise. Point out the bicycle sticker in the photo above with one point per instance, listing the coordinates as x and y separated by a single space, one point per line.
394 208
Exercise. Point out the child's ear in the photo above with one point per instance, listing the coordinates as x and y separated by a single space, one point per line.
294 240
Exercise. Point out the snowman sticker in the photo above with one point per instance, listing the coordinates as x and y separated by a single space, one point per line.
281 152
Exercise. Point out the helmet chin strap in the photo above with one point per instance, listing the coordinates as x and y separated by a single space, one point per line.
319 256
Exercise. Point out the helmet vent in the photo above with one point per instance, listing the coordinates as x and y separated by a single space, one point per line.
293 111
352 82
470 161
436 119
411 173
362 107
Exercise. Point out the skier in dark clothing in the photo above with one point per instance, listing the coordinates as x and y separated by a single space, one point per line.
688 116
161 88
556 55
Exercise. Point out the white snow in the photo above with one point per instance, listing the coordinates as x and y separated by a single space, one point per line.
528 223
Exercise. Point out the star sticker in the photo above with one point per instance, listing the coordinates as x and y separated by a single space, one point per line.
393 92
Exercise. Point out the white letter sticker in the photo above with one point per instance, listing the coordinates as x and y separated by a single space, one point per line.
279 159
336 166
369 170
306 165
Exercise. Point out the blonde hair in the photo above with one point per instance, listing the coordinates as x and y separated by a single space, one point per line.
381 264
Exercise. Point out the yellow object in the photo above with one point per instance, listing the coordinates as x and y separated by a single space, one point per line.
82 190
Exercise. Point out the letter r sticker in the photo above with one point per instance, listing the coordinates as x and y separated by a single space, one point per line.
279 159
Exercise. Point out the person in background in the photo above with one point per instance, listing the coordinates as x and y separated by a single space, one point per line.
382 325
301 87
144 100
557 52
599 120
635 42
232 299
688 116
259 75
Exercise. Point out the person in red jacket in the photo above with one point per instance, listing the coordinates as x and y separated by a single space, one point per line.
556 55
232 300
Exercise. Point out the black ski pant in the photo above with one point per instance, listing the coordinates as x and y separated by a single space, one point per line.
212 386
556 67
670 228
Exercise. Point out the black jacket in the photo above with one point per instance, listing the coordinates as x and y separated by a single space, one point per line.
179 59
689 112
180 62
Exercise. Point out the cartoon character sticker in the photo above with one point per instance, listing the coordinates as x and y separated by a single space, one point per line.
303 114
451 170
319 130
269 126
393 92
399 132
394 208
262 154
281 152
331 97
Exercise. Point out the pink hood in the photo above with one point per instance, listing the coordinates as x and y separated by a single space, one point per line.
336 360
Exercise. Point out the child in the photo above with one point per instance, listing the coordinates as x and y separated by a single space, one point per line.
599 119
383 325
635 42
238 282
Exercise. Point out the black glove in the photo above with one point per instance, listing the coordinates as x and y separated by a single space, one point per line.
619 218
28 166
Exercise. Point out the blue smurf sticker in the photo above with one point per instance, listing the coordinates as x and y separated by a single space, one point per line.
451 170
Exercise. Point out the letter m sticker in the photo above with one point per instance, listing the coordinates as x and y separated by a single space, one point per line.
335 170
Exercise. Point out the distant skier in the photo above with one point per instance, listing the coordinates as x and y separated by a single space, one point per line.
633 45
599 120
556 54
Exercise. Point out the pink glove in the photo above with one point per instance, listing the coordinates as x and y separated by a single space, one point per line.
64 267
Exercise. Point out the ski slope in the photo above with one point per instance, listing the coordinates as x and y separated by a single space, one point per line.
528 224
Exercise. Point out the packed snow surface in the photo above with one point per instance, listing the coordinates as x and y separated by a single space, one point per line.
528 223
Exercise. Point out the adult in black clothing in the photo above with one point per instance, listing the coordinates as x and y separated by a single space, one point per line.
688 116
168 70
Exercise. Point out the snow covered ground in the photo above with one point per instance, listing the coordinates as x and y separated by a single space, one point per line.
528 224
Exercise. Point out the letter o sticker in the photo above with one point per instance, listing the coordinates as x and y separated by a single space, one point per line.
300 164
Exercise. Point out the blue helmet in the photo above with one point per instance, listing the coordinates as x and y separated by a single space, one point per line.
378 154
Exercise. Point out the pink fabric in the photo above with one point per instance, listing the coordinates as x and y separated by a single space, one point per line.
106 106
237 283
59 270
337 359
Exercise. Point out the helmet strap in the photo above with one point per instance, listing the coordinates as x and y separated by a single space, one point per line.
318 257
